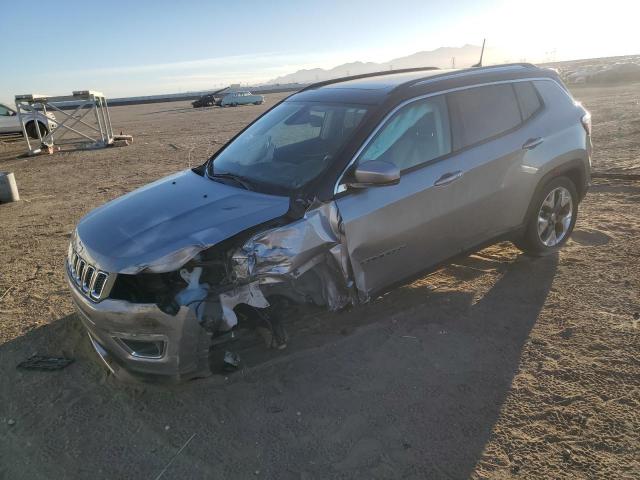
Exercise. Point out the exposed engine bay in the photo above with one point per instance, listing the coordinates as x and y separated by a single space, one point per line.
303 261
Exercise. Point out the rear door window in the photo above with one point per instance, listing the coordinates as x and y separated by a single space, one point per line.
417 133
481 113
528 99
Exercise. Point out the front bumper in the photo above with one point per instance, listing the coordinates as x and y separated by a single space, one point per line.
113 325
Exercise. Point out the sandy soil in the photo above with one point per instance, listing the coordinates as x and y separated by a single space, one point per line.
498 366
615 112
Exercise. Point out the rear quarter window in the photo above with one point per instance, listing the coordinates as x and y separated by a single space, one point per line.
554 96
528 99
480 113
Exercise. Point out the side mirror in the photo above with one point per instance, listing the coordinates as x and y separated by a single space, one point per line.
375 173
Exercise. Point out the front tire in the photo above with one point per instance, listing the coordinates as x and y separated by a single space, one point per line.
552 218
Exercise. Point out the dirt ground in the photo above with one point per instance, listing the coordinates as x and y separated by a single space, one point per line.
497 366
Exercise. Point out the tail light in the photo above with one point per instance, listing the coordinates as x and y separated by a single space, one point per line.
586 122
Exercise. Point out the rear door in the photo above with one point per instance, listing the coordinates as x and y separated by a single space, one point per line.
486 123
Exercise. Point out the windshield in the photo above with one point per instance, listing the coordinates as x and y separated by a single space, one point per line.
290 145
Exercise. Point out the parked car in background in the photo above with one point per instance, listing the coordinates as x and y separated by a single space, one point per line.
241 98
332 197
208 100
10 123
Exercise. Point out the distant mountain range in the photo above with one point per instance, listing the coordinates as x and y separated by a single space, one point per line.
443 57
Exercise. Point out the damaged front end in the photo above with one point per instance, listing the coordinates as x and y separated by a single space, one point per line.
305 261
162 322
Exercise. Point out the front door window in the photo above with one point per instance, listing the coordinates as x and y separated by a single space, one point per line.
417 133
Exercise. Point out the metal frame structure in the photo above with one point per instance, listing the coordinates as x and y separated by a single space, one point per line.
29 106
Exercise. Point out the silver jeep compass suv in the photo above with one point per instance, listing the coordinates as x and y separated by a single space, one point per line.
337 193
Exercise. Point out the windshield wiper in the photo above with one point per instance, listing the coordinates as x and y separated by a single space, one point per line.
239 179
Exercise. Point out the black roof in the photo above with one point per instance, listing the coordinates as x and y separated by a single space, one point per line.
374 88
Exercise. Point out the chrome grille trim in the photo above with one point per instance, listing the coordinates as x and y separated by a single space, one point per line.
80 272
99 283
89 280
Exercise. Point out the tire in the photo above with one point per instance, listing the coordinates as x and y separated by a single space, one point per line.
234 104
553 215
33 133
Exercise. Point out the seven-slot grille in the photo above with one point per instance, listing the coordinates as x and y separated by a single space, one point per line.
89 279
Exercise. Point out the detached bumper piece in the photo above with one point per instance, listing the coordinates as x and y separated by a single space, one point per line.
39 362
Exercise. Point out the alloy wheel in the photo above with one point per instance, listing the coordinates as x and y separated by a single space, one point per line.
554 216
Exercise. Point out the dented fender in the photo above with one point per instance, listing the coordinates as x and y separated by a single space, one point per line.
284 254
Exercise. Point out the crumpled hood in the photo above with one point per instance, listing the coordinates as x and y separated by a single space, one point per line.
170 221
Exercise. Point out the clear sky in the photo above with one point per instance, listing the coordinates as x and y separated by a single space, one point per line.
141 47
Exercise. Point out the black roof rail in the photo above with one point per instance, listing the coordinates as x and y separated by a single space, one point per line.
462 71
366 75
498 65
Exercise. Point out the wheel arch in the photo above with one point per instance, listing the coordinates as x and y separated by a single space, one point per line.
574 170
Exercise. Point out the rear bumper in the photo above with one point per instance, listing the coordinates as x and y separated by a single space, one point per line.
111 323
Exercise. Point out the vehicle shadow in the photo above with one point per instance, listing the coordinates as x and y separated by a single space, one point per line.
409 386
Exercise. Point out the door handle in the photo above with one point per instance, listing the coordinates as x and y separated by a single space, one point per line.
448 178
532 143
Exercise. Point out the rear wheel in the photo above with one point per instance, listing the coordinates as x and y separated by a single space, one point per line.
554 214
32 132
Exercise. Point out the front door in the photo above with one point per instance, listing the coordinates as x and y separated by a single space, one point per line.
393 232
